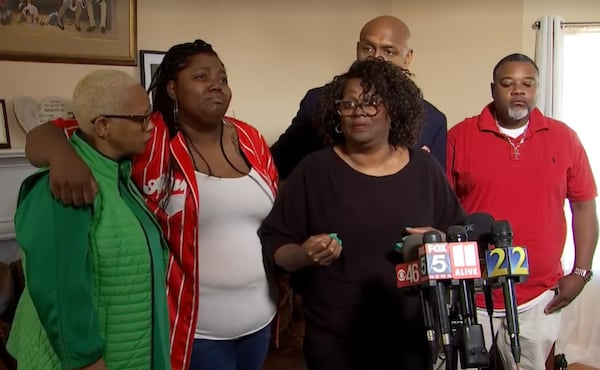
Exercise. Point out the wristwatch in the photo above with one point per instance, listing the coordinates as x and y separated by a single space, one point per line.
585 274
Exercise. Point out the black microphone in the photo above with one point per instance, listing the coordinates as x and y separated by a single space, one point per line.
457 234
479 229
410 272
409 247
435 264
507 270
471 343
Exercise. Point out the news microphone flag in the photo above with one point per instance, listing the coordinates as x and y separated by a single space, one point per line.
440 261
511 261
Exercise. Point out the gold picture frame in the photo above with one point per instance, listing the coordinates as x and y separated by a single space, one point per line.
69 31
4 136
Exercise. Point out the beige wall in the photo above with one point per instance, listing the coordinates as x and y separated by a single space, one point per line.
276 50
456 45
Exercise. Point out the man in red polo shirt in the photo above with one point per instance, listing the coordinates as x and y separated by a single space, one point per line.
518 165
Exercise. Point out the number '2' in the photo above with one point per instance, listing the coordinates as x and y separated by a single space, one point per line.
519 268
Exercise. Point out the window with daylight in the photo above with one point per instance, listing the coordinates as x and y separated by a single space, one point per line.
580 101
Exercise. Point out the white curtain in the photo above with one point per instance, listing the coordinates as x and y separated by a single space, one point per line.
549 58
579 334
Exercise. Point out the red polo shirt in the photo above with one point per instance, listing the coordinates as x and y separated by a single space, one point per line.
529 191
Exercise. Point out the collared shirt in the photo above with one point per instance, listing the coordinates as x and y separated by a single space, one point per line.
526 186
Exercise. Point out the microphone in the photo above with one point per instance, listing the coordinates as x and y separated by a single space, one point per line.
479 229
506 260
508 265
408 274
409 247
435 265
430 264
471 343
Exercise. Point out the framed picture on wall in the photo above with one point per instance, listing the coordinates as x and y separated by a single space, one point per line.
149 62
4 137
69 31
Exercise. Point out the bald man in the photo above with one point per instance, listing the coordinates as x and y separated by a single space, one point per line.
384 37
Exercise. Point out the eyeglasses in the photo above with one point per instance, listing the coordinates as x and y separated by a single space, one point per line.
347 108
142 119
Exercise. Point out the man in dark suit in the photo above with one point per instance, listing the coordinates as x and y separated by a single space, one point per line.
382 37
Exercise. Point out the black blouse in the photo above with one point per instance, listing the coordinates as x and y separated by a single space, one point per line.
356 298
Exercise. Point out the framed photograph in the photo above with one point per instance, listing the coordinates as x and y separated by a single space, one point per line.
69 31
149 61
4 137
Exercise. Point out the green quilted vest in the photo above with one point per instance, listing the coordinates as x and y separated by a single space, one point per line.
128 269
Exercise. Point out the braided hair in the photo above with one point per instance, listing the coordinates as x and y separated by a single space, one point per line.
176 59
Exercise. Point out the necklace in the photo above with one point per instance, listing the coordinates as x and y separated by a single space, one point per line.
191 144
516 145
210 172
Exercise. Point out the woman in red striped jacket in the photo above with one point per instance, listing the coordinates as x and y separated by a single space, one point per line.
210 181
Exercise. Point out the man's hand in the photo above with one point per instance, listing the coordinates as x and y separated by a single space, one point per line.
71 180
98 365
568 287
322 249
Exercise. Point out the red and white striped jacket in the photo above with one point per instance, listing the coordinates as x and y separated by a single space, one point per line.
150 170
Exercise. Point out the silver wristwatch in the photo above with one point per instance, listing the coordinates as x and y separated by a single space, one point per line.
585 274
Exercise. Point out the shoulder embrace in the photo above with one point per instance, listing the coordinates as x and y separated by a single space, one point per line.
36 182
34 194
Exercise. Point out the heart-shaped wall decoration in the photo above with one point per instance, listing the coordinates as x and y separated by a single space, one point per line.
31 113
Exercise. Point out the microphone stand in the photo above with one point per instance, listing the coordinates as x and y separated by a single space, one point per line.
429 326
503 239
437 291
469 339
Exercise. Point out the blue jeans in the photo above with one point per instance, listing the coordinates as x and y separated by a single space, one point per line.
245 353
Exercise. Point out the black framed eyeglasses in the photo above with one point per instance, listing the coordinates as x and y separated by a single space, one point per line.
142 119
347 108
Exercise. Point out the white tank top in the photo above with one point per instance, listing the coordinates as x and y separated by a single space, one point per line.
234 294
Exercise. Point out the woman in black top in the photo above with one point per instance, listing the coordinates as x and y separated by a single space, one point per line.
367 189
